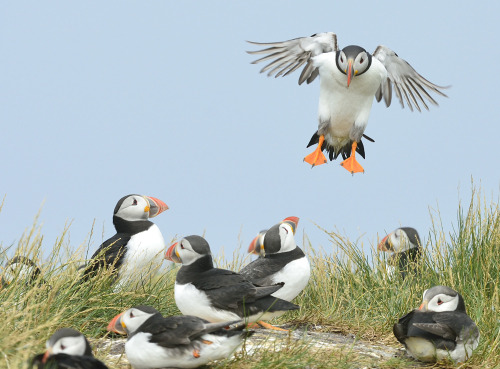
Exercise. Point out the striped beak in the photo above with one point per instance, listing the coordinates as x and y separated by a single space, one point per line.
156 206
172 254
293 221
116 325
384 245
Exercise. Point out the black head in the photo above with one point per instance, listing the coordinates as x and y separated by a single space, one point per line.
353 61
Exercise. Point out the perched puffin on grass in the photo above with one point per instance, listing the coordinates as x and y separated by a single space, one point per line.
219 295
439 329
177 341
20 268
138 244
406 248
282 261
67 349
350 79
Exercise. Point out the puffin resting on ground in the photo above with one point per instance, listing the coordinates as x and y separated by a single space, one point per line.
439 329
350 79
177 341
219 295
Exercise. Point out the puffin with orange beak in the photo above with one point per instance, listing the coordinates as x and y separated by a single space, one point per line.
281 261
439 329
219 295
138 245
255 246
67 349
350 79
177 341
405 248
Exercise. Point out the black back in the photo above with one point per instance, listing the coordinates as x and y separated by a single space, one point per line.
63 361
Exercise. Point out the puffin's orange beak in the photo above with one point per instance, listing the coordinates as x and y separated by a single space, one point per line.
382 245
115 325
156 206
252 247
172 254
350 72
293 221
46 355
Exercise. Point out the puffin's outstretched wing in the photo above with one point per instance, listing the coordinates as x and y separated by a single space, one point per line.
288 56
408 84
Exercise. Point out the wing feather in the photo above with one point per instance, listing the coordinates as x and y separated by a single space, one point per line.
288 56
409 85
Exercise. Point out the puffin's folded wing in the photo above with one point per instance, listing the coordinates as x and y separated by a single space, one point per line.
287 56
408 84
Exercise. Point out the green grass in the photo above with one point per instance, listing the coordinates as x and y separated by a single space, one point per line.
349 291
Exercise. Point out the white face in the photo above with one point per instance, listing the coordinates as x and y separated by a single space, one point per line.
134 208
359 64
441 302
186 252
287 238
133 318
400 241
68 345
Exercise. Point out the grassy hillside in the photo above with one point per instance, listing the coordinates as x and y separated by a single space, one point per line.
349 291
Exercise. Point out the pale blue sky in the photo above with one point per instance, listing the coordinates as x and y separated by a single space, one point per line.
99 99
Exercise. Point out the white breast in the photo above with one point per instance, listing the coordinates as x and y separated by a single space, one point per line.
144 355
144 255
295 275
192 301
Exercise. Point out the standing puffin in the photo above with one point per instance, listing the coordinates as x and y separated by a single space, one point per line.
138 244
67 349
350 79
282 261
219 295
439 329
177 341
406 248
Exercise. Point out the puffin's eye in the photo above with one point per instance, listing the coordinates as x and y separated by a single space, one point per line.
286 230
182 246
63 347
132 315
341 59
361 60
135 202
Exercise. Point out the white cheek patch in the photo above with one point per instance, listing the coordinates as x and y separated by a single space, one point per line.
72 346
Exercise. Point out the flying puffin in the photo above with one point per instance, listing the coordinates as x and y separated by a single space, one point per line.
20 268
67 349
282 261
138 244
177 341
406 248
350 79
219 295
439 329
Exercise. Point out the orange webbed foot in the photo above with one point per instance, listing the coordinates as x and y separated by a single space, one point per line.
317 157
270 326
196 353
351 164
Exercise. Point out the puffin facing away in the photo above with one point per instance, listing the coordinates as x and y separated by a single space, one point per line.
67 349
177 341
282 261
406 249
350 79
439 329
219 295
138 244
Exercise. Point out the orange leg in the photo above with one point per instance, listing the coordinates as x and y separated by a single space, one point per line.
270 326
351 163
196 353
316 157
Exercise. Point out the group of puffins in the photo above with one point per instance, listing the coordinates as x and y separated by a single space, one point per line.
219 304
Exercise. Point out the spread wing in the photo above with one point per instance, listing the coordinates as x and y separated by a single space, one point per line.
287 56
109 254
408 84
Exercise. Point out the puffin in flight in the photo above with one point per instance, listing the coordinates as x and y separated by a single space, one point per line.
219 295
350 78
67 349
439 329
138 244
281 261
406 248
177 341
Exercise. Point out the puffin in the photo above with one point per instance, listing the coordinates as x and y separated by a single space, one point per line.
350 78
67 349
282 261
219 295
138 244
178 341
406 248
20 268
439 329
